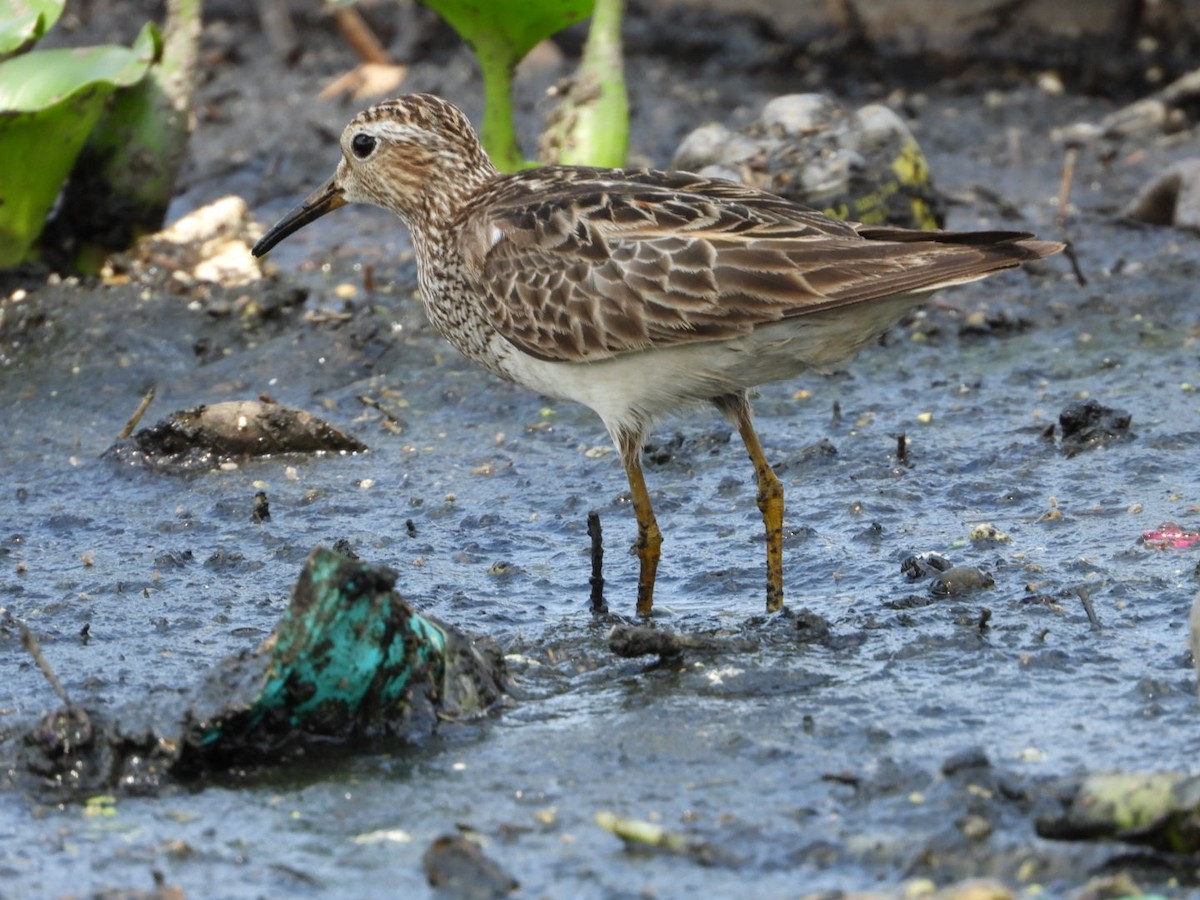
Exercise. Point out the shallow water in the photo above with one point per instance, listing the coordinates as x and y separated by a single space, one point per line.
171 574
806 766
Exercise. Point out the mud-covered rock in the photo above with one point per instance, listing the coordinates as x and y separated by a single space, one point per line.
207 436
864 165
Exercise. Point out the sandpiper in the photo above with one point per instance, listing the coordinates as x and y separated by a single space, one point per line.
634 291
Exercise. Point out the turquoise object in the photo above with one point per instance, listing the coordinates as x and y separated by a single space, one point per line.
347 636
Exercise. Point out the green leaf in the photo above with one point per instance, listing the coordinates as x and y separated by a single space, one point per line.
125 176
36 81
23 22
501 32
49 102
516 26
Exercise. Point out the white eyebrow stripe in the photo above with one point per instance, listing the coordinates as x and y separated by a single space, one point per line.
396 131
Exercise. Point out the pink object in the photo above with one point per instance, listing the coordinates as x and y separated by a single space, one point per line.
1170 535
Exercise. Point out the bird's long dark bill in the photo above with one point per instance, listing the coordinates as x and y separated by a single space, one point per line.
326 198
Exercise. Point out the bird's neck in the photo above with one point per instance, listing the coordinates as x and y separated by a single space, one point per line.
439 203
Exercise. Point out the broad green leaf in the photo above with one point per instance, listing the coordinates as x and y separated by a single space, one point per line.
49 102
37 81
501 32
125 176
23 22
515 25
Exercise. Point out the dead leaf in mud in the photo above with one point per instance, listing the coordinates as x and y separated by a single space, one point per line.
204 437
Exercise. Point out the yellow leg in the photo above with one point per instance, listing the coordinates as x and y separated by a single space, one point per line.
770 494
649 538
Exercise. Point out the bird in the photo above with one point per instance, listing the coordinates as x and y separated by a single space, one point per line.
638 292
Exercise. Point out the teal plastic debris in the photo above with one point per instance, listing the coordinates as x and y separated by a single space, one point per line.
349 658
343 655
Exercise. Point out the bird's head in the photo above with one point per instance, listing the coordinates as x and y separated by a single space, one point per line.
416 156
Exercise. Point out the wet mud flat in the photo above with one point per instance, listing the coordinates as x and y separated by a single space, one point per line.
884 732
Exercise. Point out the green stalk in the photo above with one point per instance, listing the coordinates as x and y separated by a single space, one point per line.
591 125
498 133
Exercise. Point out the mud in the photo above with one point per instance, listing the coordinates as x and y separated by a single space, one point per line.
868 740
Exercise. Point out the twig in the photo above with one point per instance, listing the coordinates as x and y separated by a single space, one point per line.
1085 595
137 414
1069 253
359 36
599 607
34 649
1070 158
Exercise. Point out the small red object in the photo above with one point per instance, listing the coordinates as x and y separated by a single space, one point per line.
1170 535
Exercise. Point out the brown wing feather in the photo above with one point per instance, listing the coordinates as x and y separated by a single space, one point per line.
594 263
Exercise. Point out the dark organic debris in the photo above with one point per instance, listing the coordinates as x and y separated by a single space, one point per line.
945 580
960 580
642 640
923 565
681 450
262 508
810 627
457 867
1087 424
973 758
349 658
204 437
817 453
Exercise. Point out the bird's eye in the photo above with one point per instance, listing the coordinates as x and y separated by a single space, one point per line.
362 145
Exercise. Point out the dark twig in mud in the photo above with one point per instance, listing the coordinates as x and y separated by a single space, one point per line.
1069 253
1070 158
137 415
1085 595
390 422
599 607
31 645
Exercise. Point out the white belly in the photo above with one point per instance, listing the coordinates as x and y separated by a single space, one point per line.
640 387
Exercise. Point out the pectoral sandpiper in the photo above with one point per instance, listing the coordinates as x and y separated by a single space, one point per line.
638 292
